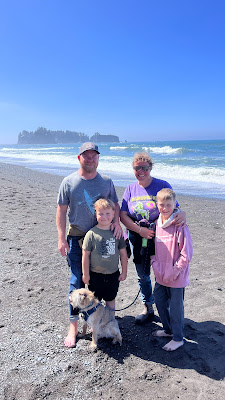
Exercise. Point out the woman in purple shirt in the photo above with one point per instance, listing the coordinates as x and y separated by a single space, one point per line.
139 203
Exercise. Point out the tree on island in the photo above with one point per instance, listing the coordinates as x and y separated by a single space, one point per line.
97 138
44 136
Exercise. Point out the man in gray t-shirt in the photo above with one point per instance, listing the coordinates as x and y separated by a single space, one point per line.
77 193
80 195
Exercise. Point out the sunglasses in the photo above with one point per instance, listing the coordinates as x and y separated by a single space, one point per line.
143 167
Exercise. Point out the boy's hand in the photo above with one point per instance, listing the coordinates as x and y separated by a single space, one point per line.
122 276
86 279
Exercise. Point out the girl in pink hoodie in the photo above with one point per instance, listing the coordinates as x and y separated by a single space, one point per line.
173 253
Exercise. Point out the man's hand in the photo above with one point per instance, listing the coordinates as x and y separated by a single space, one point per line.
63 247
118 231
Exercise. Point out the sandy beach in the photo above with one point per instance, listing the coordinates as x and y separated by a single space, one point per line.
34 310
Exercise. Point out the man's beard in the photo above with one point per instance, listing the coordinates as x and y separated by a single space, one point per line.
89 168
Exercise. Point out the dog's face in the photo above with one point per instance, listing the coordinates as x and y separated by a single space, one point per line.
81 298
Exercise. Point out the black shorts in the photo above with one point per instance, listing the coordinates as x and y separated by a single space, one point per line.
105 286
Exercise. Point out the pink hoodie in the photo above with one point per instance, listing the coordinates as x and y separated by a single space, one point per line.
173 253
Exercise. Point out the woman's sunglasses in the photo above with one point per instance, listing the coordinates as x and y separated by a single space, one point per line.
143 167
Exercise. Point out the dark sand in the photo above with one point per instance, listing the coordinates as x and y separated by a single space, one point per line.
34 316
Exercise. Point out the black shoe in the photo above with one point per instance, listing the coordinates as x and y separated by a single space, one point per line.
147 314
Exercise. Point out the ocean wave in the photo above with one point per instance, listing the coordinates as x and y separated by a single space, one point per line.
163 150
188 173
33 149
9 149
118 147
121 166
116 161
128 147
152 149
42 158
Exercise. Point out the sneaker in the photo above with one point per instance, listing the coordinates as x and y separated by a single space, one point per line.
147 313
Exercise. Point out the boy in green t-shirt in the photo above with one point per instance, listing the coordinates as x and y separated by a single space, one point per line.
101 254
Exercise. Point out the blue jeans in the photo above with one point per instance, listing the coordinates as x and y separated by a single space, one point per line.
75 262
170 305
144 282
143 277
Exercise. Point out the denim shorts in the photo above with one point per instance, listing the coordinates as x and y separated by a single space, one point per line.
105 286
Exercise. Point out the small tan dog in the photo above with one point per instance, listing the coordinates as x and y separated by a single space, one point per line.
100 318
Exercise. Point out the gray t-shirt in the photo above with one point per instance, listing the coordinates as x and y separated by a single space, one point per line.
105 250
80 195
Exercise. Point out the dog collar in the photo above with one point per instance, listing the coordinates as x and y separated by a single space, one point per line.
89 312
89 305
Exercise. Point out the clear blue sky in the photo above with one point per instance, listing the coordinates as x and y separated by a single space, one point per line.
139 69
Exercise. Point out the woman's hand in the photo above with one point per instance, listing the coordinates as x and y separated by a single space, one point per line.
130 224
179 218
146 233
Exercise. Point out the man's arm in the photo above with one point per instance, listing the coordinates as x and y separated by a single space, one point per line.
118 231
61 227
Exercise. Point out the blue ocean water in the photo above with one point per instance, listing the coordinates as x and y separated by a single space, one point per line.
191 167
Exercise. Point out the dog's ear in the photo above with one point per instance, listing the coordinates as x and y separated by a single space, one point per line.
71 301
73 298
92 296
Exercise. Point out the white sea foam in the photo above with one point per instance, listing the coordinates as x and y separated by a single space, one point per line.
188 173
32 149
163 150
34 156
150 149
167 172
118 147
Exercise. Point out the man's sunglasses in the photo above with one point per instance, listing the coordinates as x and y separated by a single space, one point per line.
143 167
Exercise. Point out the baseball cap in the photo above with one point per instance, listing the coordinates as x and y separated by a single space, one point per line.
89 146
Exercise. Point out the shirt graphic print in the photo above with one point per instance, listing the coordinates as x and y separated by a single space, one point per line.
108 247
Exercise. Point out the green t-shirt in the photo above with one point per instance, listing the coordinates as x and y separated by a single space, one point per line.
104 248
